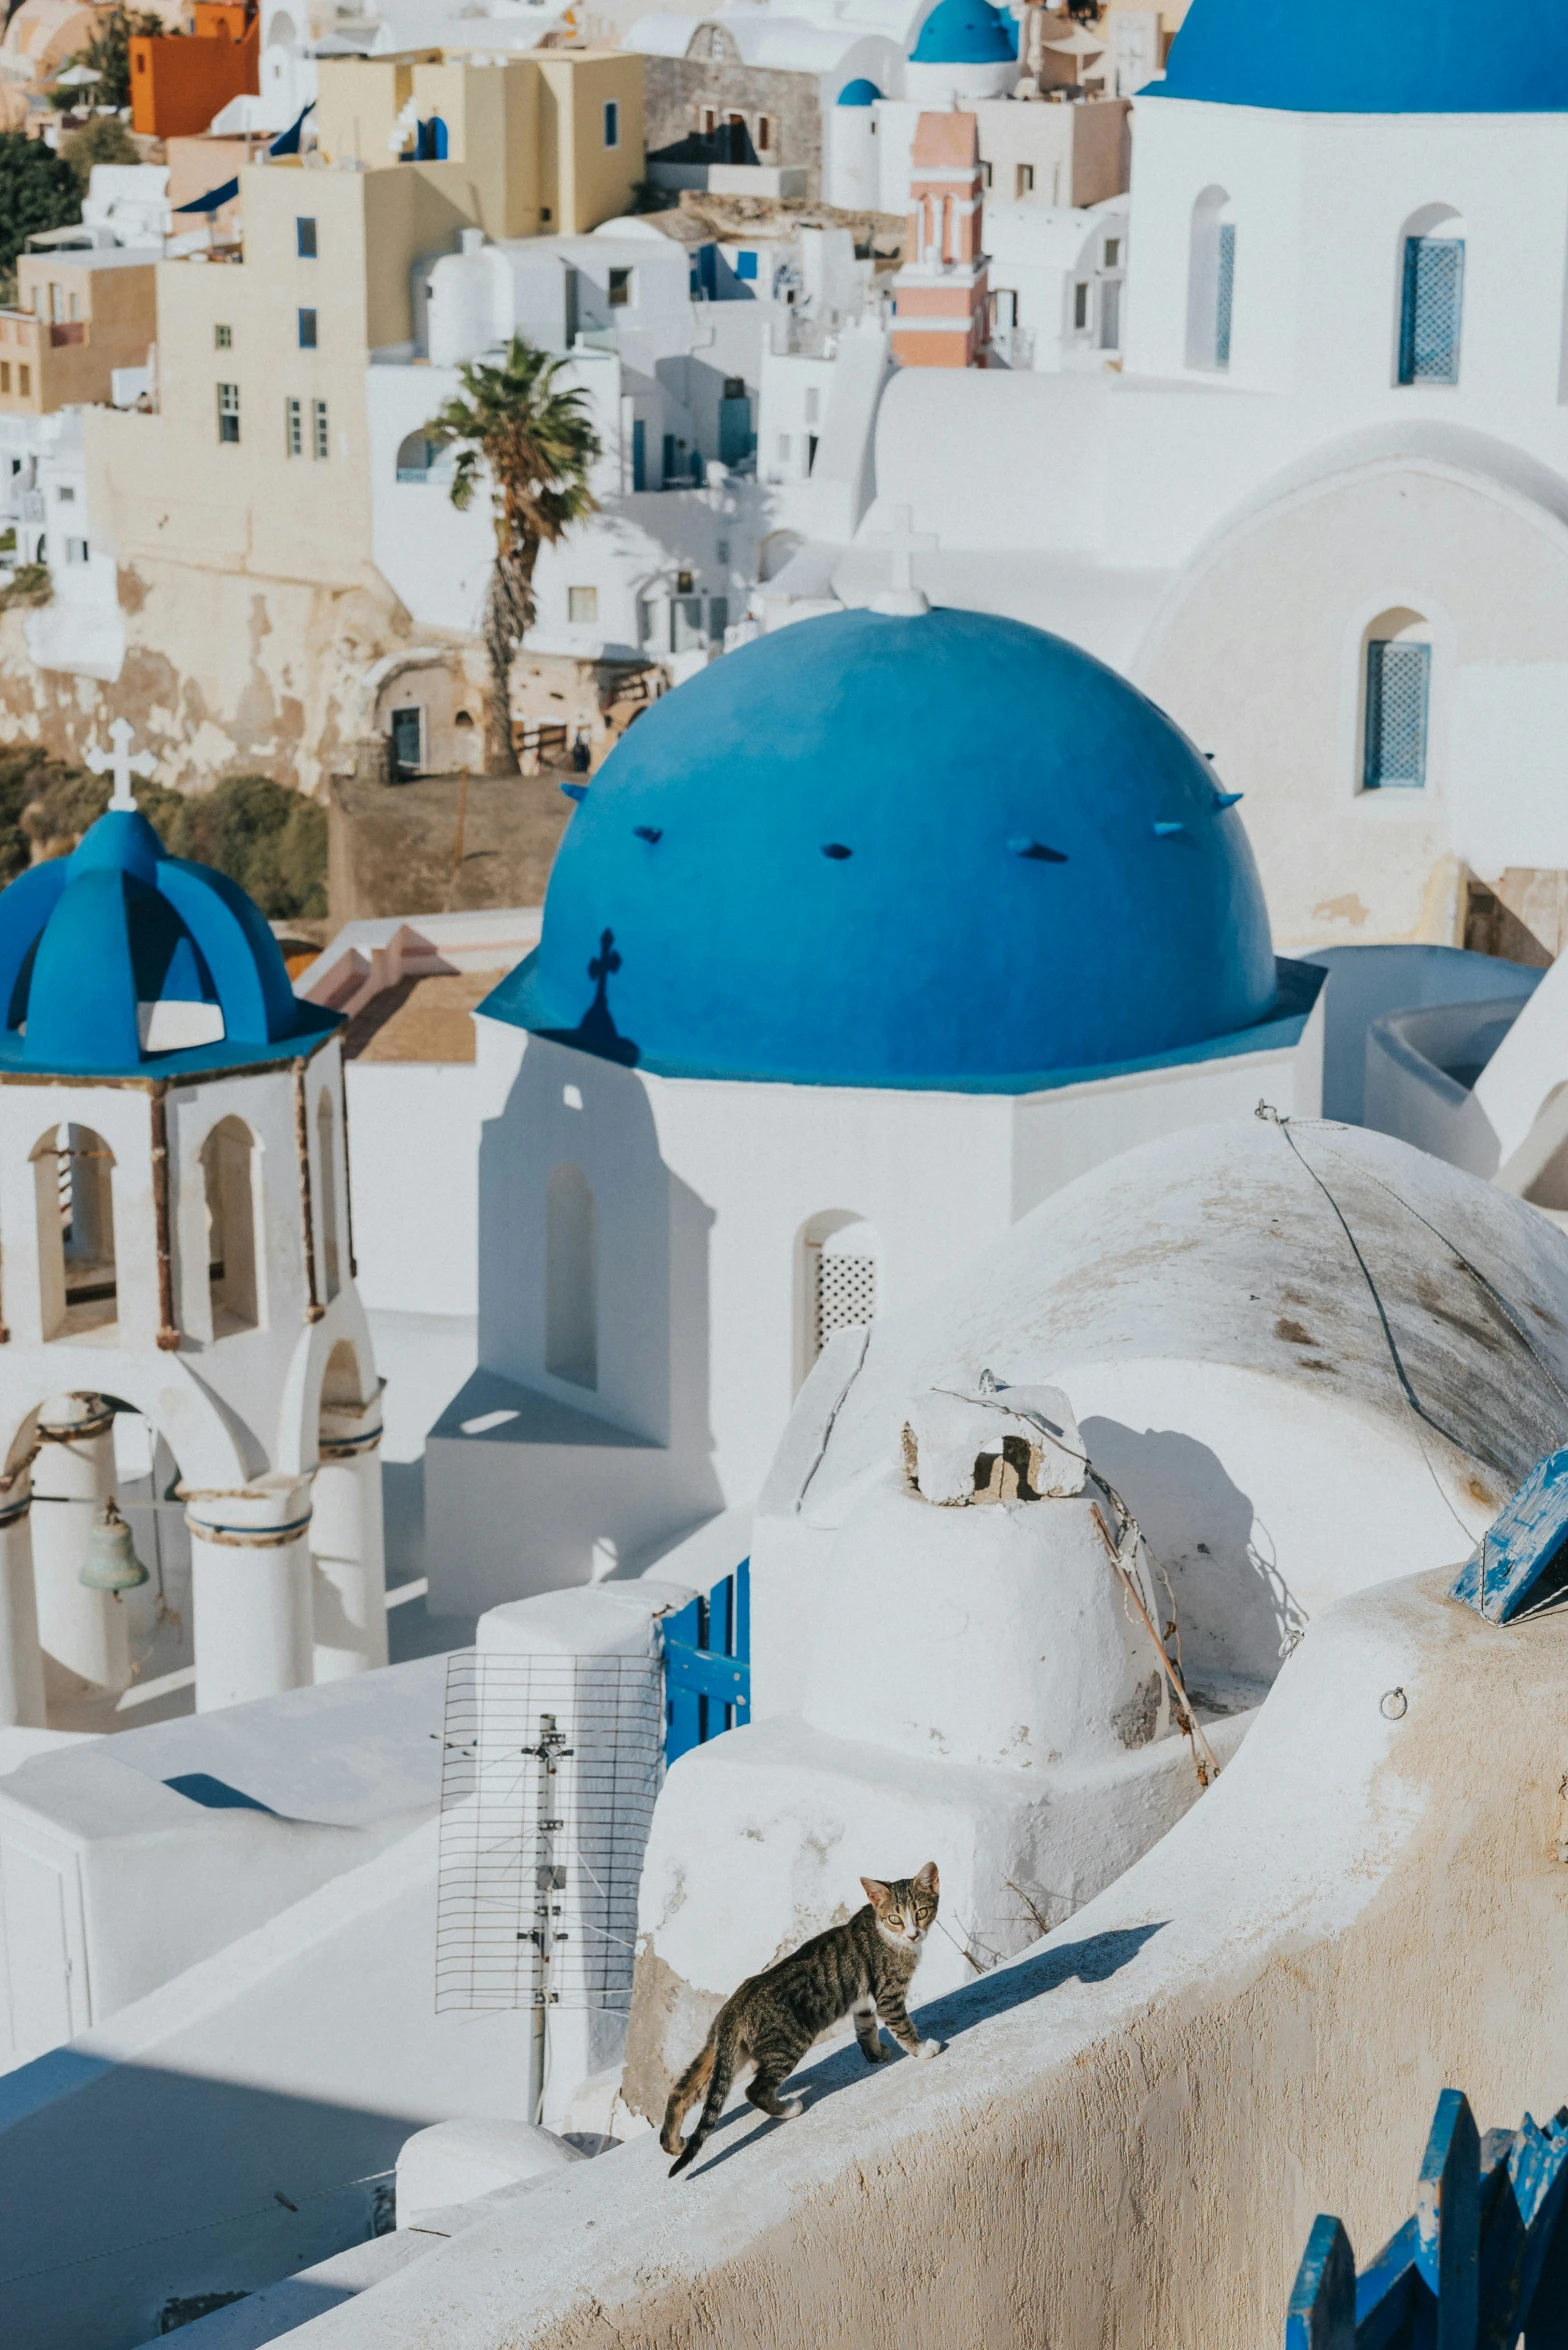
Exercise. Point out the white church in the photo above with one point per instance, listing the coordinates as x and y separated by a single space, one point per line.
921 1217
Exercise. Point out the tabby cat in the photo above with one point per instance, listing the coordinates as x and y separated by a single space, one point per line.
862 1968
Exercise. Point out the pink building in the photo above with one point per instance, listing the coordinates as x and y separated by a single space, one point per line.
940 293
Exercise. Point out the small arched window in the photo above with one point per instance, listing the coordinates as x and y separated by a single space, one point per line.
1396 697
571 1281
73 1171
836 1279
327 1161
229 1171
420 459
1431 296
1211 281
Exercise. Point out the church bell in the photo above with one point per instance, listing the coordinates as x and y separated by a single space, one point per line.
112 1563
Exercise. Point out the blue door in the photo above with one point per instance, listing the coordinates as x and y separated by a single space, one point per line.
735 428
639 454
406 730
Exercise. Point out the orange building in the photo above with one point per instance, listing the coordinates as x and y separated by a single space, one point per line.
940 295
179 81
79 316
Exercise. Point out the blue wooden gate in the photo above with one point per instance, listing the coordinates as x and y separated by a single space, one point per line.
707 1665
1483 2259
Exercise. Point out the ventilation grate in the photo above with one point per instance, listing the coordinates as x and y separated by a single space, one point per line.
846 1293
1398 690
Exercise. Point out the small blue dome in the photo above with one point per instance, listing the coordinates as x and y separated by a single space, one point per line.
859 92
965 32
90 942
948 851
1386 57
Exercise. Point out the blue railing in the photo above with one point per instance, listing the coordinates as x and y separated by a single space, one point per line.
707 1665
1484 2258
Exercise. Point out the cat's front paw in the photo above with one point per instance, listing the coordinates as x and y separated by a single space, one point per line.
792 2108
930 2048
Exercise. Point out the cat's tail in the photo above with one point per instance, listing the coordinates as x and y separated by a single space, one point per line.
719 2058
691 2085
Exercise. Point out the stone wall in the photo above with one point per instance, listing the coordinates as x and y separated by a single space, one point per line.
224 672
677 89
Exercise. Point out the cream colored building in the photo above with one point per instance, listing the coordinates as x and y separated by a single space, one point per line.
239 513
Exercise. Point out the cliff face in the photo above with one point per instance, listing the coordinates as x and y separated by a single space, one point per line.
222 671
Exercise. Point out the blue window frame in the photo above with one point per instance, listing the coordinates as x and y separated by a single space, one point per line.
612 122
1224 291
307 330
746 265
1398 695
1432 310
305 239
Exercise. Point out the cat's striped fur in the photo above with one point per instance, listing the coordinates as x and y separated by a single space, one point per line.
862 1968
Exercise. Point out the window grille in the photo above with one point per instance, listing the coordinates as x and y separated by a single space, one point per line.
1224 292
293 428
223 338
846 1293
1432 310
318 427
549 1769
1399 684
228 412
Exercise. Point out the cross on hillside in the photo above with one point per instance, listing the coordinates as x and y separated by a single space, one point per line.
120 764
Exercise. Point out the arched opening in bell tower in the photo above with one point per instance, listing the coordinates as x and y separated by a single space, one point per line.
73 1171
228 1165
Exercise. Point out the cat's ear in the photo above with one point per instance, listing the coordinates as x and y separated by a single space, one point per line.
876 1892
926 1880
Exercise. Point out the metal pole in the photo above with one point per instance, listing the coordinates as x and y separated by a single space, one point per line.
548 1879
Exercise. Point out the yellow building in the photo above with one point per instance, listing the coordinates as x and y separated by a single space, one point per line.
551 141
256 460
78 316
240 512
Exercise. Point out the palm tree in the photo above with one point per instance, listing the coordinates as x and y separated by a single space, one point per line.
537 445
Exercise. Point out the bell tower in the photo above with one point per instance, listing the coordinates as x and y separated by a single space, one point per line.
941 294
175 1242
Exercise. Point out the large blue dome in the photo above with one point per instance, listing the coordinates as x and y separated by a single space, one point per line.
101 950
948 851
1383 57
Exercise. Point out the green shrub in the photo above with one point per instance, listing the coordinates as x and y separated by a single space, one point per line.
104 141
38 191
271 840
268 838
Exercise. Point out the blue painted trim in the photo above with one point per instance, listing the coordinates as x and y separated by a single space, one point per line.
1300 985
315 1026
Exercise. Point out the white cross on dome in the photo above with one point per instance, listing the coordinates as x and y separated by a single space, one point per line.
120 764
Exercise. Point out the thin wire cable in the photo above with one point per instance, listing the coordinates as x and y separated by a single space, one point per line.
1272 1117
